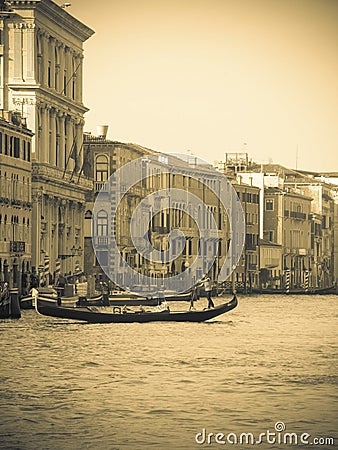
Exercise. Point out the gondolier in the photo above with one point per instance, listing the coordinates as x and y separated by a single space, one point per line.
208 289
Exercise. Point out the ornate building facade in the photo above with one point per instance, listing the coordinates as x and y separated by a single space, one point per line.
41 73
15 200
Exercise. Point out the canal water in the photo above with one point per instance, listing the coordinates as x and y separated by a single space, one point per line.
269 365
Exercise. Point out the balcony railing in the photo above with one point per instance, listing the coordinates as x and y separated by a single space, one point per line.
51 173
297 215
101 240
17 247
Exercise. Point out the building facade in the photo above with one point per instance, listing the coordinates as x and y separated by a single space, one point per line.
323 225
15 201
41 73
105 157
287 222
247 271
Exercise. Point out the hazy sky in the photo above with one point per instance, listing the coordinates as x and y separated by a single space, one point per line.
216 76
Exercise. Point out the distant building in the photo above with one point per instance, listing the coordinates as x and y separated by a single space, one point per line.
297 212
247 271
41 72
15 201
287 222
271 265
323 224
104 158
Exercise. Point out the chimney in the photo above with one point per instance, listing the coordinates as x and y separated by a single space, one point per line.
102 131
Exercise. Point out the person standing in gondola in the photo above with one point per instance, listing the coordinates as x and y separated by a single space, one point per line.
193 298
208 289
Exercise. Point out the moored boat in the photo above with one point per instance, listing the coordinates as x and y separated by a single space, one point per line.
9 303
91 314
28 301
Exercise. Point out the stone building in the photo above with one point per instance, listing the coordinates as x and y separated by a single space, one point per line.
247 271
15 200
323 224
41 73
270 262
105 157
287 222
250 196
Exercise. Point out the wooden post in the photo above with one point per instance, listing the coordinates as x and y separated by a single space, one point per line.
14 312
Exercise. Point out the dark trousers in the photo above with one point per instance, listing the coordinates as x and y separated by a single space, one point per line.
210 302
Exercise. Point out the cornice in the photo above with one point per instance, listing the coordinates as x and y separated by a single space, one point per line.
57 15
49 95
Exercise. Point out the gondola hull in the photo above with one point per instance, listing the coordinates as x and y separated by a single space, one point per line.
136 300
93 315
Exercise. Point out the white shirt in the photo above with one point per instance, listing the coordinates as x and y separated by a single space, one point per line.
207 285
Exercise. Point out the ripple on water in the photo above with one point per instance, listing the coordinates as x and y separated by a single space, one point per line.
69 385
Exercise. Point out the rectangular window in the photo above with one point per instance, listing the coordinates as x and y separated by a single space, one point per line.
269 206
65 82
28 151
49 74
16 147
0 142
11 146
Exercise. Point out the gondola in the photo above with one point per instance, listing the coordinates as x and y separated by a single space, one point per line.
90 314
131 299
28 301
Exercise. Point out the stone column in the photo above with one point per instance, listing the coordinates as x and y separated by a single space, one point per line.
61 147
43 147
66 84
36 226
44 37
52 140
62 67
29 52
79 143
57 72
79 78
17 57
68 143
52 44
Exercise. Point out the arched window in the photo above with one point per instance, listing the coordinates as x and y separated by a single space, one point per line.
101 168
88 224
102 223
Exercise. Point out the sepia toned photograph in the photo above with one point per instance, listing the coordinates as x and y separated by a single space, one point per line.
168 224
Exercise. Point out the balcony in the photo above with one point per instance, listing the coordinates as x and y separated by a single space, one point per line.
47 172
297 215
99 185
102 240
17 247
